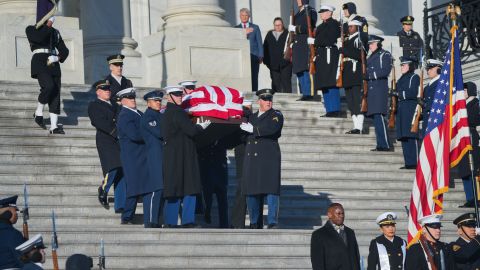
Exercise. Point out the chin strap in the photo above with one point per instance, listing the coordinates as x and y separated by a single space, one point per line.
428 231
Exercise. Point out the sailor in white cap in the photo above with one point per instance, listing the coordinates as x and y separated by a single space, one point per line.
387 251
188 86
33 253
429 252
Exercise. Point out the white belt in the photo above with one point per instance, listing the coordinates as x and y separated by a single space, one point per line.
43 51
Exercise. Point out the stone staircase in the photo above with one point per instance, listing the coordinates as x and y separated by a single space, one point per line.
320 165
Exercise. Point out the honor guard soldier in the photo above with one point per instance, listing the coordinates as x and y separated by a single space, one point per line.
407 90
33 253
410 41
262 163
434 67
350 12
326 60
378 69
151 129
11 238
387 251
429 249
334 246
352 75
103 117
49 51
180 162
300 51
466 249
188 86
116 79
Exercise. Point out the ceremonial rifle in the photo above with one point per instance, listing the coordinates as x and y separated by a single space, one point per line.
311 61
101 256
393 94
54 243
340 63
418 109
25 214
287 50
364 106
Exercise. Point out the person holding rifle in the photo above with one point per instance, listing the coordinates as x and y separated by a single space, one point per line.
434 67
350 12
326 60
466 249
11 237
378 68
352 75
407 88
300 52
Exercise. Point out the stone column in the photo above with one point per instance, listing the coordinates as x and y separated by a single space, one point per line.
107 30
194 12
27 7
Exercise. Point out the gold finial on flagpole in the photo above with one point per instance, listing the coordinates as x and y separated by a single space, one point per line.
453 11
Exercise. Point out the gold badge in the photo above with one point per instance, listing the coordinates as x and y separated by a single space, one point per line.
365 28
456 247
275 118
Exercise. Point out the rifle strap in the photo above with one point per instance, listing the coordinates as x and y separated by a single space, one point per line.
428 253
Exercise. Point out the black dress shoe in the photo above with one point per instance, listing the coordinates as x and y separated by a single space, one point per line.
468 204
381 149
57 131
102 198
336 114
170 226
328 114
408 167
39 121
272 226
254 226
353 131
152 225
126 222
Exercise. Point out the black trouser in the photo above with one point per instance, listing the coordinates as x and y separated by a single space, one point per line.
282 79
255 66
49 91
354 99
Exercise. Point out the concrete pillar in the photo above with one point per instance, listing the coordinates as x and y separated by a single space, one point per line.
194 12
27 7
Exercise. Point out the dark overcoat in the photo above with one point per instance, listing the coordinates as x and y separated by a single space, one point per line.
407 89
11 238
328 251
395 250
352 67
133 153
466 254
46 38
327 54
473 112
411 44
151 124
416 257
379 64
273 50
262 161
300 51
181 172
428 96
103 118
115 87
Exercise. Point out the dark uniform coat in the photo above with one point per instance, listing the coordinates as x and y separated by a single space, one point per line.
466 254
115 87
327 54
395 250
103 118
180 161
133 153
416 257
10 239
473 112
300 49
328 251
46 38
31 266
273 51
262 162
407 89
352 67
411 43
151 124
379 64
428 96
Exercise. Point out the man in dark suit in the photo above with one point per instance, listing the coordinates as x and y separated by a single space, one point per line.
116 79
334 246
254 36
33 253
11 238
466 249
48 50
103 117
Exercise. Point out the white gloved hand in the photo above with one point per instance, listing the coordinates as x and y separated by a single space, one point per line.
310 40
203 124
477 231
291 28
247 127
53 58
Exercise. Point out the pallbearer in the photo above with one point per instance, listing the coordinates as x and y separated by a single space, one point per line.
387 251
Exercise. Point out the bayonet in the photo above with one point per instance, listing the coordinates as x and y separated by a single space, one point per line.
25 213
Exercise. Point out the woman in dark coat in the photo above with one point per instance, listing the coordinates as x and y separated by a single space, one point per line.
407 89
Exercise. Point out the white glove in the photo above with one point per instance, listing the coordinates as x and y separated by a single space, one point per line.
247 127
477 231
291 28
310 40
53 59
203 124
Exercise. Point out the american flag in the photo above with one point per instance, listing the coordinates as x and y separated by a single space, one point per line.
447 140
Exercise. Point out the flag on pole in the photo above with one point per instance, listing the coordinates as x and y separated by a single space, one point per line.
447 140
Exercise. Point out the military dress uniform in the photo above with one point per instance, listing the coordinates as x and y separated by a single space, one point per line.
103 117
352 10
429 93
151 129
117 83
35 261
10 237
407 90
466 251
378 69
410 42
300 49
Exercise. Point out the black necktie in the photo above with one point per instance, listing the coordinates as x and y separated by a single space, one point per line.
343 235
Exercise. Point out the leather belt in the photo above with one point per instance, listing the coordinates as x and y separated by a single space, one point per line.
43 51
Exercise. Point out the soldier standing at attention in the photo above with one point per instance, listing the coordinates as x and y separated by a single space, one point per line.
103 117
262 163
116 79
48 50
410 41
11 238
466 249
434 67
